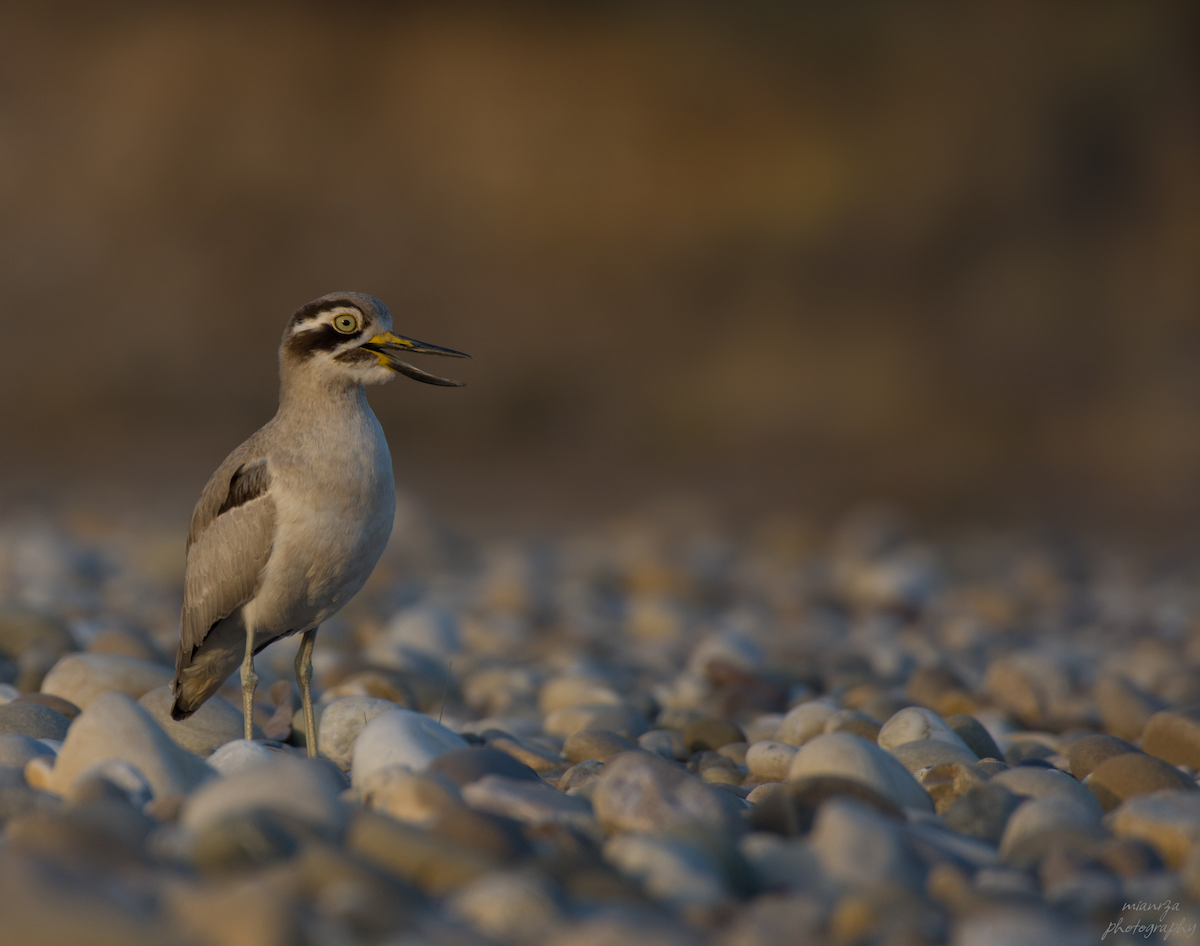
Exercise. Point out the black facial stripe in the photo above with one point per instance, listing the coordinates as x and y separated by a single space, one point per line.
250 481
306 313
304 345
356 356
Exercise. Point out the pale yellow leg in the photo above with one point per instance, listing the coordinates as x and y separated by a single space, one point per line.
249 682
303 677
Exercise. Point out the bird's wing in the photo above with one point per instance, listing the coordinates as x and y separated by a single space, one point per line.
229 542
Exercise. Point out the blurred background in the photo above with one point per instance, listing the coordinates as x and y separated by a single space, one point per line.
769 256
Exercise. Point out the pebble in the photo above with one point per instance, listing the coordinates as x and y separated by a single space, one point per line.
854 721
400 737
16 750
299 788
859 847
973 734
852 757
406 796
1174 736
212 725
640 792
509 906
1087 753
530 802
1039 824
241 754
1037 782
537 758
1167 820
923 753
917 723
341 722
711 734
670 870
770 761
81 678
982 811
1124 709
804 722
579 774
667 743
463 766
113 726
563 692
597 744
56 703
623 720
433 863
33 720
1134 773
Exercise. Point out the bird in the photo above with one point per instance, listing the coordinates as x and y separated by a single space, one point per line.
292 523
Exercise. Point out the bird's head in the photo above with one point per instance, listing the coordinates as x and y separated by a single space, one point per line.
347 338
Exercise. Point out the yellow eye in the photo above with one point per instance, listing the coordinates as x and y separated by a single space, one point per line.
346 324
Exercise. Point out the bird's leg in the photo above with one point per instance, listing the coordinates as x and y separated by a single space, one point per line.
303 676
249 682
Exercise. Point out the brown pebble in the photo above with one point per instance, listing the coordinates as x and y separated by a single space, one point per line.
599 744
1128 857
56 703
711 734
1134 773
1174 736
1124 708
1087 753
854 721
735 751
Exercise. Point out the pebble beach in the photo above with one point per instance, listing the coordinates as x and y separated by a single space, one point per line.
650 731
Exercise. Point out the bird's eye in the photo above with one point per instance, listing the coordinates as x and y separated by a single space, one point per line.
346 324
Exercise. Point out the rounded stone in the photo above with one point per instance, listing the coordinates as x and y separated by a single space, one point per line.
562 692
1169 821
1174 736
860 847
33 720
1040 823
304 789
213 724
56 703
1134 773
401 737
917 723
982 812
638 791
923 753
1087 753
850 756
239 755
769 760
81 678
463 766
341 722
804 722
667 743
1037 782
976 737
854 721
709 735
113 726
621 719
596 744
409 797
16 750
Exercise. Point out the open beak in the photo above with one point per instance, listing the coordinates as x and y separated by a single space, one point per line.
388 345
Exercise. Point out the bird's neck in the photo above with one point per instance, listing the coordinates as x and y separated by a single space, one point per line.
305 398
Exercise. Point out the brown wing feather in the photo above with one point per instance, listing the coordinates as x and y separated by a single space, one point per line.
229 542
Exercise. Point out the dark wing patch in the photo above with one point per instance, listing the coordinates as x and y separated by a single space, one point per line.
248 482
